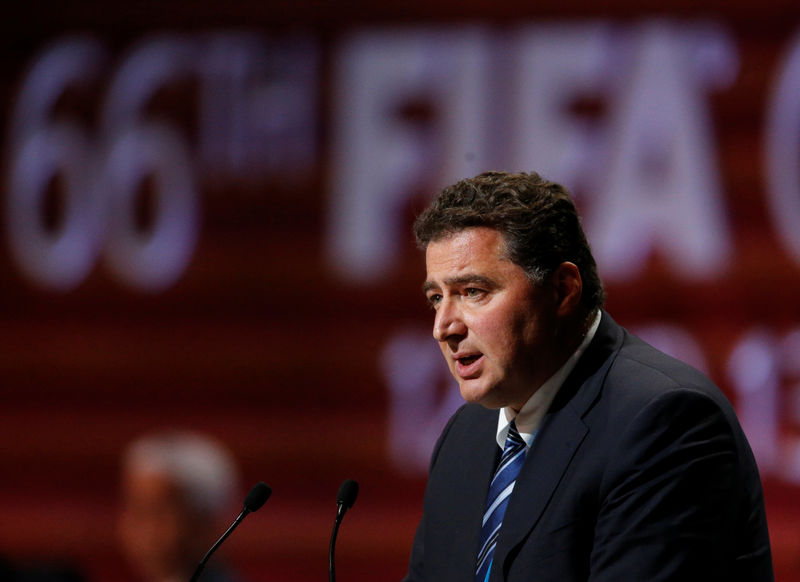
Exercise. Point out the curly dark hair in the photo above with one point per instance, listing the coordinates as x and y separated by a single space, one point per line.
538 219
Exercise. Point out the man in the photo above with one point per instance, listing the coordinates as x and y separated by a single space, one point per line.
179 491
619 463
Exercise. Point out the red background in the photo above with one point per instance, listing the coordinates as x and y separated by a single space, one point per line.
259 344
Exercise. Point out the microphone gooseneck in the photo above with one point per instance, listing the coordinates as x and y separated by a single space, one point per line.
344 501
257 497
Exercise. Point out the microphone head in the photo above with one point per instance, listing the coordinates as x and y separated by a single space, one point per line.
257 497
347 494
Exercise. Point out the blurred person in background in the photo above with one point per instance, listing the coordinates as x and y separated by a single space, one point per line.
179 491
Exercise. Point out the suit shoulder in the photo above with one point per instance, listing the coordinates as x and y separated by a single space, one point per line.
649 371
642 377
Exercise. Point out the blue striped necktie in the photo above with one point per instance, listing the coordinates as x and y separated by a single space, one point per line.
496 502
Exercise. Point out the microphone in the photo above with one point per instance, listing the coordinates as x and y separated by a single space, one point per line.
344 501
257 497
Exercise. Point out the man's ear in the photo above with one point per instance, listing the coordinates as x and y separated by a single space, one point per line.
569 288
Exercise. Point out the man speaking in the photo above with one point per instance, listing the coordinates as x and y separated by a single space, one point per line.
582 454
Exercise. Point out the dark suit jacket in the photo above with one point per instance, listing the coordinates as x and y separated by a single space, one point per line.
639 472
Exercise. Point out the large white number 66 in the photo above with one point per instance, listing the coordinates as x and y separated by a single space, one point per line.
99 180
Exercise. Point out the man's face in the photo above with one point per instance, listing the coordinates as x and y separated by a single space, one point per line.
494 326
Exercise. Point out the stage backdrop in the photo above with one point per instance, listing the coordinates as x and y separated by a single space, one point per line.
205 215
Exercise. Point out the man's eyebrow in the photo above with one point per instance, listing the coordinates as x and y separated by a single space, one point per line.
469 279
428 286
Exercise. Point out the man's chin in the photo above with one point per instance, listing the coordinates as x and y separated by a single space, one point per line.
477 394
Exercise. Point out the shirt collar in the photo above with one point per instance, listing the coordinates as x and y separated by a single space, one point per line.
532 412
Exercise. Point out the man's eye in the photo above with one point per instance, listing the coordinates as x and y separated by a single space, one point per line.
434 299
473 292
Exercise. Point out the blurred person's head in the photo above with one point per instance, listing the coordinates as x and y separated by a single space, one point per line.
177 491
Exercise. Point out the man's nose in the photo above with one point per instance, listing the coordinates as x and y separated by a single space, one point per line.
448 322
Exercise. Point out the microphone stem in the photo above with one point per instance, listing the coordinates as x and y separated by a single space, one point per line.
213 549
332 548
